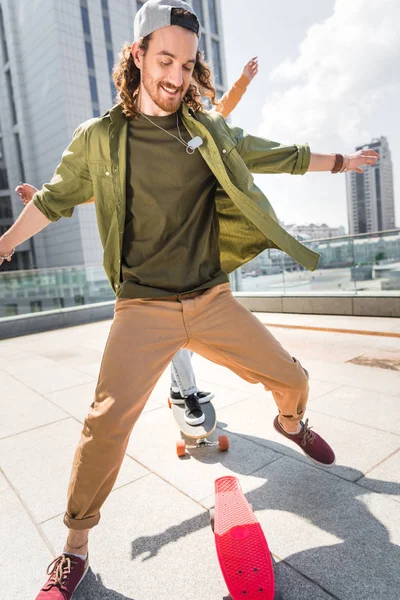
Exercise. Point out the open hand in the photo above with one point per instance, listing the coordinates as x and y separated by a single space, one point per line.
251 68
360 158
26 192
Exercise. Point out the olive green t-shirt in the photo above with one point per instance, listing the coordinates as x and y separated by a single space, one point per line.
171 236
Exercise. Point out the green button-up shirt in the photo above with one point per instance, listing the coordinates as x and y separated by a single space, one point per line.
95 164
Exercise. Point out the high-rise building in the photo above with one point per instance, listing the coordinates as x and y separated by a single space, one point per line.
55 72
370 196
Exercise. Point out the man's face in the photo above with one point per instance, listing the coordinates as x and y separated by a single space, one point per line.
167 67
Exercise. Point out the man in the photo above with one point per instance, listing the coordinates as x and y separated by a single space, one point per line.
177 210
183 388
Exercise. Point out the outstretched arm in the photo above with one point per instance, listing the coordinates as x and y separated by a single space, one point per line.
266 156
351 162
232 97
70 186
28 224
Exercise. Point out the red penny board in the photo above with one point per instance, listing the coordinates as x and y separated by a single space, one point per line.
242 549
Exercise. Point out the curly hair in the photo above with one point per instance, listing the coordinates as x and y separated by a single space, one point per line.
126 76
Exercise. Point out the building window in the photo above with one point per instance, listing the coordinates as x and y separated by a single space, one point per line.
5 208
107 29
90 59
3 38
198 9
3 179
85 17
109 46
58 302
378 199
20 158
11 97
216 59
89 55
93 89
212 9
36 306
10 309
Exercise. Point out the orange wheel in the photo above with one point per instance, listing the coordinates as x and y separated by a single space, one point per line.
181 448
223 443
169 403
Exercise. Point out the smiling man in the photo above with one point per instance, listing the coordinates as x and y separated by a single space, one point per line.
177 210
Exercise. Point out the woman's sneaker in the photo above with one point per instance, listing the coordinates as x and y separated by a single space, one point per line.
312 444
66 573
203 397
193 413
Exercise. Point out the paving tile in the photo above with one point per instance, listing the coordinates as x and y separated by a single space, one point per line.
320 388
332 531
38 464
3 483
385 478
76 400
141 548
292 586
78 357
367 378
358 449
44 375
333 321
224 396
22 409
153 444
23 572
374 409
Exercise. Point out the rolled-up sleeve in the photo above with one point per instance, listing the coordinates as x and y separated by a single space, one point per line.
265 156
71 183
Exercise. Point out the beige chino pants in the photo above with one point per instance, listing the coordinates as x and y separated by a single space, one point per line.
144 336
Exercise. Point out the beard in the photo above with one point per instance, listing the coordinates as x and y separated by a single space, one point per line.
158 92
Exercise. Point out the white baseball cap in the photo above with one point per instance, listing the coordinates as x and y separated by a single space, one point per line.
156 14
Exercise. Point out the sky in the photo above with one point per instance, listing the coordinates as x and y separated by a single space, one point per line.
329 75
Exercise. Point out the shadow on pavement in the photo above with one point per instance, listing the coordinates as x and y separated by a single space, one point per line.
92 588
359 563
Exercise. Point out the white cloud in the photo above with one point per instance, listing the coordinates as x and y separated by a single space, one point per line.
344 68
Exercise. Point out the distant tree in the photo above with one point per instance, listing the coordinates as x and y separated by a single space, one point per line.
379 256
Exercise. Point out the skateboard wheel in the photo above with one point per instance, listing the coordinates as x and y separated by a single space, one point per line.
212 518
169 403
181 448
223 441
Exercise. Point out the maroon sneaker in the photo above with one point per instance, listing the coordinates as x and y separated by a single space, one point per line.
66 573
311 443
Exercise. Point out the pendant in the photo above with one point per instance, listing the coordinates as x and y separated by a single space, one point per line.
195 142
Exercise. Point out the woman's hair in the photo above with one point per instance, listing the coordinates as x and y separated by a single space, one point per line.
126 77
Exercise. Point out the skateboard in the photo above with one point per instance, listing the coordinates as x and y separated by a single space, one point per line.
242 549
197 434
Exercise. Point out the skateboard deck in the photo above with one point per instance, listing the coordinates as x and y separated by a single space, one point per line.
242 549
197 433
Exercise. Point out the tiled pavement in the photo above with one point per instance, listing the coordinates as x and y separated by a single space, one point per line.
335 533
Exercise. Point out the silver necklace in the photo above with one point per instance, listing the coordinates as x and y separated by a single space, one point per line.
190 146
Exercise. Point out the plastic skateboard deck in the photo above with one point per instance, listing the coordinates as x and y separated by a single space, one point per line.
197 433
242 549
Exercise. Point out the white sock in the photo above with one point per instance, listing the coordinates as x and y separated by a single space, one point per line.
292 432
175 389
81 556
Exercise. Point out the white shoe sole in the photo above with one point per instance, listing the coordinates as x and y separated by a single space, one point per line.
198 421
